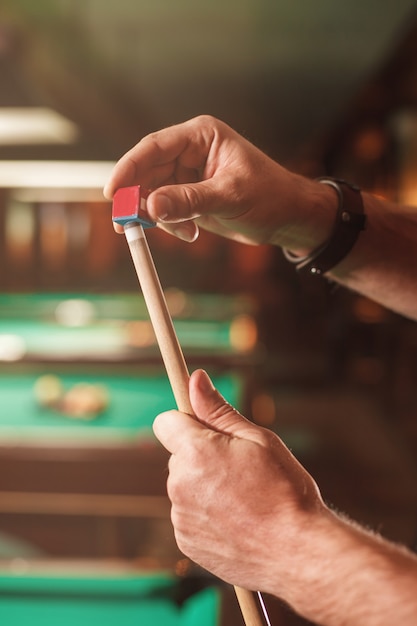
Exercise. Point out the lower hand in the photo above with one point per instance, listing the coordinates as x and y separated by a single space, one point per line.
242 505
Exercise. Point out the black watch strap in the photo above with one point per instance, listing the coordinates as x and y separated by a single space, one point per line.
350 221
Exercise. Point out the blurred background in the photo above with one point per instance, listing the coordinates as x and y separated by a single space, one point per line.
325 88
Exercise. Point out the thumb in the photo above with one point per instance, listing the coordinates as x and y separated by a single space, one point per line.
212 412
175 430
183 202
211 409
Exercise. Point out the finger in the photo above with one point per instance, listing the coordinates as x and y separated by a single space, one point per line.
154 159
188 201
123 175
213 410
173 429
187 231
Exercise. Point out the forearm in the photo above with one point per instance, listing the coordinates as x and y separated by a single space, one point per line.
383 262
349 577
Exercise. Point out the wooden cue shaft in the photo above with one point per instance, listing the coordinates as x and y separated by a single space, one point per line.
160 317
176 368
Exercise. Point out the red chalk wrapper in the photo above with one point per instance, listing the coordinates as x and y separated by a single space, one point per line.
128 206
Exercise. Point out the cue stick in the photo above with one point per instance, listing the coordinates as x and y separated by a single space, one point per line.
128 204
251 604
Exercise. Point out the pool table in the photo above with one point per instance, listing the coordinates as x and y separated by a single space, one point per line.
91 597
89 488
97 488
116 327
135 396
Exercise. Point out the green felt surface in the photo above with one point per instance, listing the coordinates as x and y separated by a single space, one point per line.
94 325
123 306
129 600
34 326
107 340
134 401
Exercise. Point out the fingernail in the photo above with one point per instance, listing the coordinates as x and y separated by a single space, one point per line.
187 231
163 207
204 382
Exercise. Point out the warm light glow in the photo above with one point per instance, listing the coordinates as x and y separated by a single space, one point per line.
53 234
19 225
59 194
263 409
35 125
12 347
75 312
243 333
54 174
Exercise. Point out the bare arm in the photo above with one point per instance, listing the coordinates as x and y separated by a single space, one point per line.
354 577
245 509
383 263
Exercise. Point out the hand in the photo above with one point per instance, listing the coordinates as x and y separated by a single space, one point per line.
205 174
241 503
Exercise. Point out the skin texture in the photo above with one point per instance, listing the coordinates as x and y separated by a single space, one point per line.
245 509
205 175
205 172
242 505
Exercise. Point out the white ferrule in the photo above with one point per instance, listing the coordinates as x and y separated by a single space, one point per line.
133 232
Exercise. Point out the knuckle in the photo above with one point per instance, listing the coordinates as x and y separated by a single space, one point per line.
192 198
206 120
154 140
184 475
173 489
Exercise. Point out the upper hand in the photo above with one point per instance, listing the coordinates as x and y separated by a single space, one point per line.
203 173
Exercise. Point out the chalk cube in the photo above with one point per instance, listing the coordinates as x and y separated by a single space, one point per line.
129 205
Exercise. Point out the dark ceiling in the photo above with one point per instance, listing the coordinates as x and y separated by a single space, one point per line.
283 72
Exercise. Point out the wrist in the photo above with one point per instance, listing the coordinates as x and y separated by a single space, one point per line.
323 569
353 576
350 221
310 217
